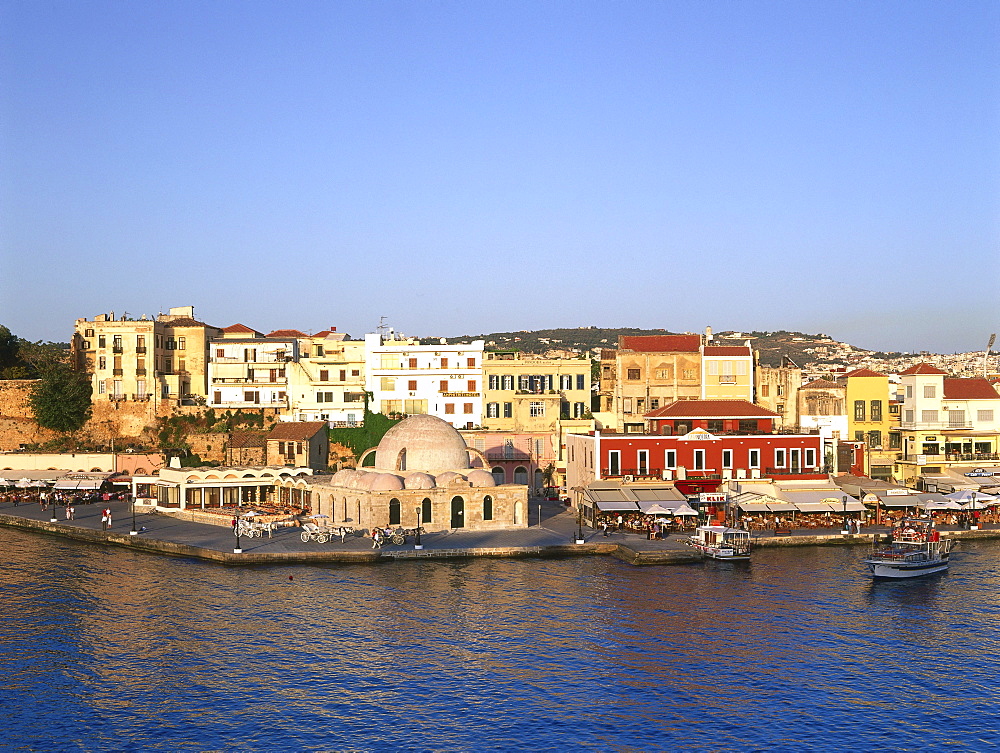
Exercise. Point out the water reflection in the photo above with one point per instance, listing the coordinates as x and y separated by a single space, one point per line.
117 649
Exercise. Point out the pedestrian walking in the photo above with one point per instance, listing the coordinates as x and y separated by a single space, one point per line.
109 518
376 539
604 527
70 512
104 520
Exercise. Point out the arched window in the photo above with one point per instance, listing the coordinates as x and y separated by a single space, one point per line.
521 475
401 460
499 475
487 507
425 511
394 512
457 512
538 480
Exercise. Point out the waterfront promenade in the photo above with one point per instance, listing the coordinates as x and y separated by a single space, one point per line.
552 536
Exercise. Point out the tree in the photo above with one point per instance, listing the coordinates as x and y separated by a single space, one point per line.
60 400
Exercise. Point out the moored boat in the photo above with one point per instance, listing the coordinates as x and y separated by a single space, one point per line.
915 548
721 542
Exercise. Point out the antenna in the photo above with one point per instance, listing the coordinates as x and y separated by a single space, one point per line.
382 326
986 356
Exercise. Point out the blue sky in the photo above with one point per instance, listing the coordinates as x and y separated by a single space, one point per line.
468 167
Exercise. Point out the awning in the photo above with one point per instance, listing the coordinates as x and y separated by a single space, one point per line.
899 500
69 482
753 507
813 507
616 505
659 508
779 506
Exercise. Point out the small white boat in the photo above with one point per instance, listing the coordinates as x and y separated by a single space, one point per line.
914 549
721 542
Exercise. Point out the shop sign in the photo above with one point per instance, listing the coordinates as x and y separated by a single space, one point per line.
712 499
979 472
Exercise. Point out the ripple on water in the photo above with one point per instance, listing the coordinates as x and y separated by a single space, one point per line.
110 649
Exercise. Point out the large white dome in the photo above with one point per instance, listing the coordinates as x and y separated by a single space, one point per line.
422 443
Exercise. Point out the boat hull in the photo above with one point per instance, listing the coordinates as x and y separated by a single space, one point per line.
896 570
720 553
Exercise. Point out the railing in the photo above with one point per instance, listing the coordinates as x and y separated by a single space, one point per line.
140 372
796 471
140 349
117 372
140 398
518 455
645 473
117 349
975 457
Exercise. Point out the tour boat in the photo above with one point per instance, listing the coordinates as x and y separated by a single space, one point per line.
721 542
914 549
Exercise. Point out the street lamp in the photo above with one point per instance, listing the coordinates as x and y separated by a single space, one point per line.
579 523
52 515
844 525
239 547
133 532
416 542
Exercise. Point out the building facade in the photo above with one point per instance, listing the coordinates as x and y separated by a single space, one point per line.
407 378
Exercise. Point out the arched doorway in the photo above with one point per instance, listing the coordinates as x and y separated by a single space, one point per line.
395 512
457 512
517 513
425 511
538 481
521 475
499 475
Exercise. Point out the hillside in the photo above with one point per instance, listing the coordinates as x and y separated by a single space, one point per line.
798 346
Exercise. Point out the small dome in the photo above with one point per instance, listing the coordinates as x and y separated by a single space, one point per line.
448 477
479 477
422 443
340 478
418 481
385 482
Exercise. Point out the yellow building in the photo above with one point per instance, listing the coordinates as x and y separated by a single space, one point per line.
139 360
869 419
727 372
525 393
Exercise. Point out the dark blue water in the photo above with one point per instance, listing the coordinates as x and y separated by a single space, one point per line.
105 649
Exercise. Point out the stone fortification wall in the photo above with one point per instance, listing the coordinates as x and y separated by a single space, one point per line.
17 423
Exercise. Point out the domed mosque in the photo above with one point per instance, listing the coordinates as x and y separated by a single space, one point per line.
423 470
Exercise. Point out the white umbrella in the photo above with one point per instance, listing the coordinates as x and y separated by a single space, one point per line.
24 483
932 505
684 509
966 496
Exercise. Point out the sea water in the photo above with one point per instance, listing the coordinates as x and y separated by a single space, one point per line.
103 648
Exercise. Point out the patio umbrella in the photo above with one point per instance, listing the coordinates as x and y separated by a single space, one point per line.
965 496
684 509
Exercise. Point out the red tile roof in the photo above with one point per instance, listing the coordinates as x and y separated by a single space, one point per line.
727 350
660 343
922 368
969 389
300 430
233 329
863 373
824 383
287 333
711 409
244 439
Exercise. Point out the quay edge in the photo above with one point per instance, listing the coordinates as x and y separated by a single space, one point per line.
632 553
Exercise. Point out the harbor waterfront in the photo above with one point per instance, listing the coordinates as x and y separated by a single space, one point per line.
109 648
182 535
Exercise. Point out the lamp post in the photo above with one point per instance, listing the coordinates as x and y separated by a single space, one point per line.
844 525
579 524
416 542
133 532
239 547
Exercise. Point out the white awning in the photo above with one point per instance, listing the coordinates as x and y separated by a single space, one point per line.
616 505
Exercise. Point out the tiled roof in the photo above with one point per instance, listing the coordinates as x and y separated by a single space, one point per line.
727 350
244 439
185 321
233 329
286 333
821 383
863 373
300 430
661 343
711 408
922 368
969 389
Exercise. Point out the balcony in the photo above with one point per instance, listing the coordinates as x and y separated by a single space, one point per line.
792 471
141 350
117 372
140 398
140 372
645 474
516 455
117 349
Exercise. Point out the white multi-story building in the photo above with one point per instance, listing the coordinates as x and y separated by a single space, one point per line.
327 383
407 378
247 369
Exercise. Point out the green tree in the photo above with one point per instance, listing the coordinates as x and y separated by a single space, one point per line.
60 400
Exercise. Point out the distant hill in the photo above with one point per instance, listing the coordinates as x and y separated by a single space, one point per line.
771 345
